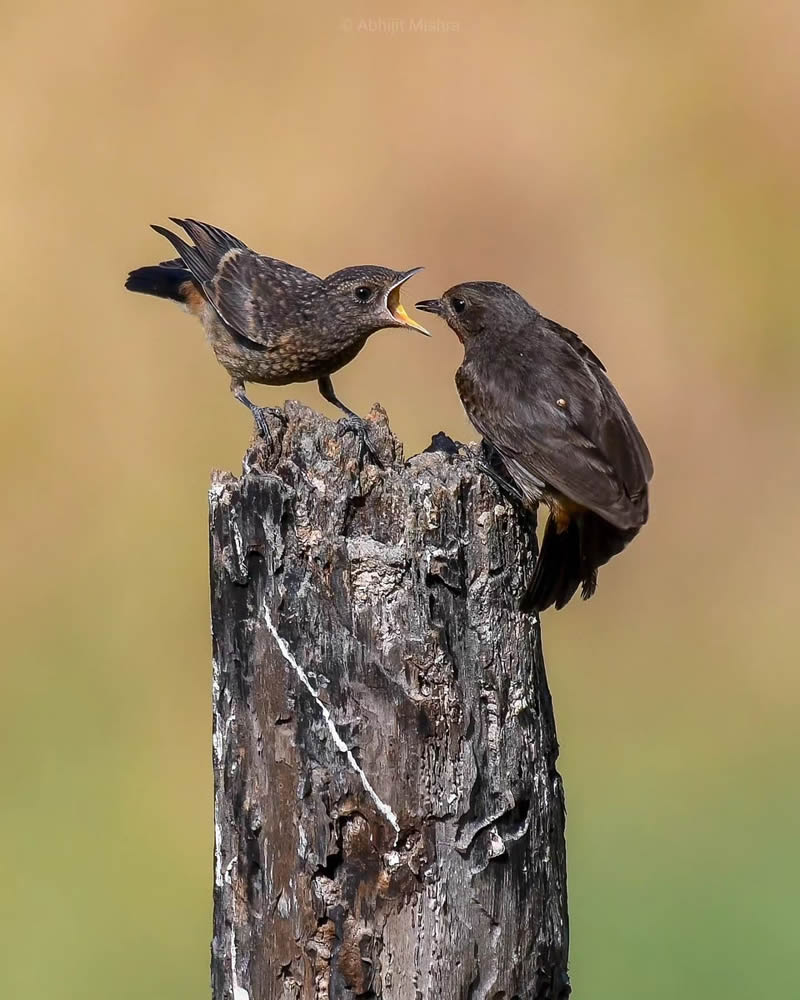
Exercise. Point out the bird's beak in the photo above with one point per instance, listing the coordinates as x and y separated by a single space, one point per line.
395 306
435 306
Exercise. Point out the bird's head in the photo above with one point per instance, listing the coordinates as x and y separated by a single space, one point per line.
365 299
476 308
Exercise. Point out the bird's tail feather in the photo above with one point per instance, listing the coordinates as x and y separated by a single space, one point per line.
166 281
558 568
570 558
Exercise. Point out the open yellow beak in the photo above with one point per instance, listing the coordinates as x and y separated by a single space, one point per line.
399 313
395 306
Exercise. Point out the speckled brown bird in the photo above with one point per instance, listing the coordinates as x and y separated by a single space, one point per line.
543 401
269 321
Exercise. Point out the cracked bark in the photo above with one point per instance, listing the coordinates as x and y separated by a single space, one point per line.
372 610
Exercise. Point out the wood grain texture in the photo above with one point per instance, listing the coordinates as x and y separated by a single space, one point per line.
389 819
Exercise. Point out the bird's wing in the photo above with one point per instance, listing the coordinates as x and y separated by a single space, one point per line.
259 298
210 246
176 264
588 449
256 297
573 340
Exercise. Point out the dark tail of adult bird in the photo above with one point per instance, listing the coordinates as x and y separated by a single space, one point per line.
570 558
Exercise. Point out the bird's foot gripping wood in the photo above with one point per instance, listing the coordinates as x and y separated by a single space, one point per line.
493 467
353 424
260 413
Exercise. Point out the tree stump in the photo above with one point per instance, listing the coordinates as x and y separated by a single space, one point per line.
389 819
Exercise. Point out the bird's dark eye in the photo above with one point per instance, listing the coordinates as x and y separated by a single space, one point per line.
459 305
364 293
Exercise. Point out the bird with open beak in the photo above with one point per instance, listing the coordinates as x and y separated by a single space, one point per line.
269 321
543 401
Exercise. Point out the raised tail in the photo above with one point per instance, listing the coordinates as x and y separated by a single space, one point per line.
570 558
183 279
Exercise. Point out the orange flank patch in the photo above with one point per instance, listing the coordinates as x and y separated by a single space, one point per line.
562 510
193 300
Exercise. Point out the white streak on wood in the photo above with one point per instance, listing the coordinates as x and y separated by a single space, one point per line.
239 992
383 808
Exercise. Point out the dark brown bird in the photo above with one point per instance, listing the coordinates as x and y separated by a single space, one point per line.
543 401
271 322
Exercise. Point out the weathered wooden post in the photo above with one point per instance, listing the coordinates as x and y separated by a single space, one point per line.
389 818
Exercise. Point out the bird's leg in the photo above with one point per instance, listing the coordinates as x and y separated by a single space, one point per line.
352 422
506 488
329 393
259 412
496 471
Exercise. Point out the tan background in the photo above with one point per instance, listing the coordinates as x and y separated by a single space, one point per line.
633 169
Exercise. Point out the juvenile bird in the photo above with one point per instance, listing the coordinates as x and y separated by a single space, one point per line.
543 401
272 322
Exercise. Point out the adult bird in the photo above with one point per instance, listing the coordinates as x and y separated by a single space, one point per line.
544 402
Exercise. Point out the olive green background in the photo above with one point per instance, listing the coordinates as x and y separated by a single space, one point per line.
632 168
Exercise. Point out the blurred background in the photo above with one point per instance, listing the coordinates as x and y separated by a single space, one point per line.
632 169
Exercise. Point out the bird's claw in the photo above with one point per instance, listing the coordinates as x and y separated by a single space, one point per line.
353 424
260 414
495 468
508 489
